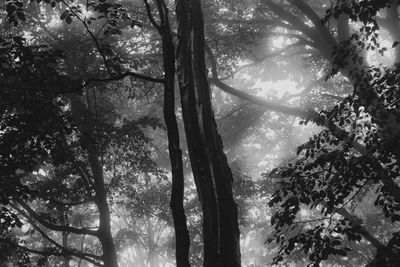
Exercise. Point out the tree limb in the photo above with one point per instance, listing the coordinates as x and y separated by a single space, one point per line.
44 253
123 75
51 226
308 88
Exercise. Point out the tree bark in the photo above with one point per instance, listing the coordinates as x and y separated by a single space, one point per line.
211 171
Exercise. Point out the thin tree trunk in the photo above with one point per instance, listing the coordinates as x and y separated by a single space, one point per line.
85 124
63 218
182 241
211 172
104 232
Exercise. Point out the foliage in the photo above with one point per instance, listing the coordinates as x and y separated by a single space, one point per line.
329 174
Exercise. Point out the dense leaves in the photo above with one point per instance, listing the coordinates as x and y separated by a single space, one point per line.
330 175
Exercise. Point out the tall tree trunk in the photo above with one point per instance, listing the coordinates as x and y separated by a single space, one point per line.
85 124
211 172
182 241
104 232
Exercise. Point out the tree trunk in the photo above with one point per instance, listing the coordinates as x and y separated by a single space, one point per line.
104 232
84 121
63 218
182 241
211 172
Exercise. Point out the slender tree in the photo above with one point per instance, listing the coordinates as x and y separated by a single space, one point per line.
175 153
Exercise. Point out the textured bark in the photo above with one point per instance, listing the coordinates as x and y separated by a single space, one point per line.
211 172
85 125
182 241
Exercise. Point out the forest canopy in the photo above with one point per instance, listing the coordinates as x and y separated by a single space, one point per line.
199 133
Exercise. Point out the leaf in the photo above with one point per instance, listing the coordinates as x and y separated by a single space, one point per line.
64 15
68 19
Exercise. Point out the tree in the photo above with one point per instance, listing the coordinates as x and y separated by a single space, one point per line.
47 125
330 173
222 233
212 174
347 58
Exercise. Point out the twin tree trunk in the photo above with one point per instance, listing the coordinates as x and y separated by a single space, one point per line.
212 175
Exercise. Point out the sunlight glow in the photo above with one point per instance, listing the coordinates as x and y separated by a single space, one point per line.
279 42
279 88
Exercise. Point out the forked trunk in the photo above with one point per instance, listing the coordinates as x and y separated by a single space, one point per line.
211 172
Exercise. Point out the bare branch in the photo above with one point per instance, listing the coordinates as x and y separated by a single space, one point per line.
294 21
150 16
315 19
45 253
96 42
268 56
51 226
310 115
122 76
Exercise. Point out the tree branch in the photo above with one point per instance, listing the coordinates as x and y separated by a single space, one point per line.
308 88
123 75
51 226
315 19
294 21
310 115
65 250
45 253
268 56
151 17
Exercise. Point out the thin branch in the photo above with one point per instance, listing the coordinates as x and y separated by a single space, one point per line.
292 19
297 112
44 253
58 202
150 16
336 97
98 46
308 88
268 56
51 226
315 19
358 223
232 111
310 115
65 250
122 76
351 198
